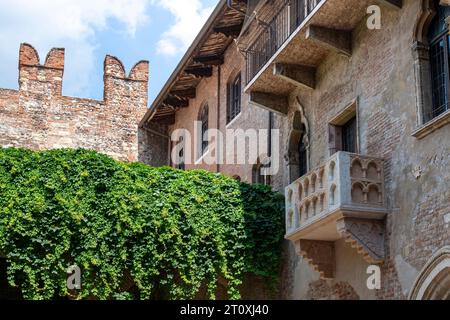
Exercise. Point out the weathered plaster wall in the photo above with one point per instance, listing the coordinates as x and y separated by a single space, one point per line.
38 117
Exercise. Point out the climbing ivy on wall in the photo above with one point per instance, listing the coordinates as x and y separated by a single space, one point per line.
128 225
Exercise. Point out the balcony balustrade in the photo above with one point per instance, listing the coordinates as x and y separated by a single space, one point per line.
343 198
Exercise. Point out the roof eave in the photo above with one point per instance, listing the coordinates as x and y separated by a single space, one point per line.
181 65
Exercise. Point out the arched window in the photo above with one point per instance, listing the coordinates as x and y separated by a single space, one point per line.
298 147
237 178
433 282
181 163
234 98
303 157
438 40
203 117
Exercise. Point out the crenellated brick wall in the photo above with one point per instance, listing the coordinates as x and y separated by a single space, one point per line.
38 116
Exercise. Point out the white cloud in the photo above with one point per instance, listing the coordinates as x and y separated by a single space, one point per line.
190 16
63 23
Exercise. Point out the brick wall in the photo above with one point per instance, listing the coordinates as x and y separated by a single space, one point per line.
214 94
38 117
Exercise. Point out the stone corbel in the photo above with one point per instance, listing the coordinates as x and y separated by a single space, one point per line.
319 254
366 236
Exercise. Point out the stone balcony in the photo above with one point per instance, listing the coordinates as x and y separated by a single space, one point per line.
287 53
342 199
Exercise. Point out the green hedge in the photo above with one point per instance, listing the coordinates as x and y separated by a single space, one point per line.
170 231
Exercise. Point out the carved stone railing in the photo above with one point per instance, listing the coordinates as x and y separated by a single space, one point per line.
343 198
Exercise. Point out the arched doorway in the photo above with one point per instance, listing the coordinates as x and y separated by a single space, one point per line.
433 282
298 146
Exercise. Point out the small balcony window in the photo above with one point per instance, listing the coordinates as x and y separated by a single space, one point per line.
343 131
349 136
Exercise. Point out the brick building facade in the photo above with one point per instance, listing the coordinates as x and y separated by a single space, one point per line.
364 150
362 115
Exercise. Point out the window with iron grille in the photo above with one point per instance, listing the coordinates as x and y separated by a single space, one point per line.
203 118
234 98
438 38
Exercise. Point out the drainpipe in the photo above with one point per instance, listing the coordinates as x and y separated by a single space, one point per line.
218 146
269 145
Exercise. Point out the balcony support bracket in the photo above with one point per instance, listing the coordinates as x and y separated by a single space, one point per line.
364 235
275 103
303 76
319 254
339 41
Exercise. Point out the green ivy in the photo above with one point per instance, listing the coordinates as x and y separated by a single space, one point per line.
164 230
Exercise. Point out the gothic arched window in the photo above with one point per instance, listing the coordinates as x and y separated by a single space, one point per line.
257 175
181 165
203 117
439 48
303 158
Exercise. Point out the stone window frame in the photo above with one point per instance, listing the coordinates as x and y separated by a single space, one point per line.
334 137
422 73
257 177
299 129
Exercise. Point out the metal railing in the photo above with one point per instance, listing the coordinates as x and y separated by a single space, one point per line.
277 31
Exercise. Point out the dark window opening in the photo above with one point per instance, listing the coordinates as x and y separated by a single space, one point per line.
349 136
343 131
303 158
234 99
180 160
258 177
203 118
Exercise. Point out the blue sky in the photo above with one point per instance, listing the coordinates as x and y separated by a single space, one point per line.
156 30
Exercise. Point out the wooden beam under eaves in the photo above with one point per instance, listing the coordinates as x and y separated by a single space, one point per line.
230 30
201 72
190 93
167 120
210 60
176 103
